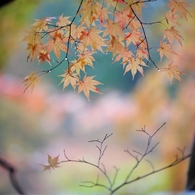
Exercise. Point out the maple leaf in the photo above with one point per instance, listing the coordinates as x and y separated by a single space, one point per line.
172 72
88 12
113 29
63 21
87 85
76 31
124 54
134 64
165 49
124 16
136 5
87 57
133 37
69 77
179 6
84 59
102 13
31 81
34 50
56 43
172 34
44 56
32 37
40 25
171 18
142 53
115 45
52 163
92 38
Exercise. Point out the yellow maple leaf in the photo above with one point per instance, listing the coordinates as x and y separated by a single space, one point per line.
31 81
52 163
87 85
172 72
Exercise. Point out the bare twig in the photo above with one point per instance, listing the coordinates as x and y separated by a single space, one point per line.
112 187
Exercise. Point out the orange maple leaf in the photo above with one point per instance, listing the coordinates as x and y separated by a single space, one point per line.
179 6
52 163
87 85
133 37
92 38
172 34
34 50
134 65
32 37
171 18
69 78
44 56
84 59
124 54
113 29
115 45
56 43
165 49
172 72
124 16
31 81
88 12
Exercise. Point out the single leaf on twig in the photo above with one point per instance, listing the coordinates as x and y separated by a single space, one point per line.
52 163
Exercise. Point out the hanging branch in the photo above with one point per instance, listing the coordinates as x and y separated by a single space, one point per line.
12 175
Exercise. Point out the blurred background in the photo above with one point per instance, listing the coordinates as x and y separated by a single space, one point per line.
49 120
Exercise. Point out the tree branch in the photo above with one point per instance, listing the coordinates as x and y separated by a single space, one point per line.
12 175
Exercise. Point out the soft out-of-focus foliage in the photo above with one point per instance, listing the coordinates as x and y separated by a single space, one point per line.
47 121
13 16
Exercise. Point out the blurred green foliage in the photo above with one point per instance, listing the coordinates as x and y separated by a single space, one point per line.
13 18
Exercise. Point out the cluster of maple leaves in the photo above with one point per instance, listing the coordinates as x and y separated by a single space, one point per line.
107 26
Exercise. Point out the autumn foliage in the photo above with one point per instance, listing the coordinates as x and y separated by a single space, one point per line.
114 26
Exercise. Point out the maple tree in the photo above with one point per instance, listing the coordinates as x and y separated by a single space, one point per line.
107 26
114 26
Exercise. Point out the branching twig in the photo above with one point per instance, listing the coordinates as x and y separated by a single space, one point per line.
102 169
112 186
